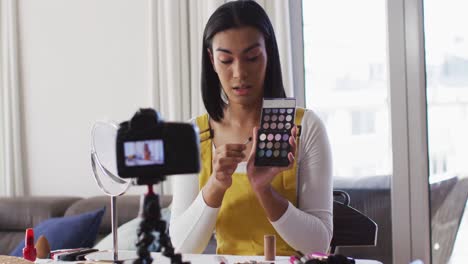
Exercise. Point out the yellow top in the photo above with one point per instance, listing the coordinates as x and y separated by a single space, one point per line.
242 222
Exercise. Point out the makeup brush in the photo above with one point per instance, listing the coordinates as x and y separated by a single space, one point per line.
248 140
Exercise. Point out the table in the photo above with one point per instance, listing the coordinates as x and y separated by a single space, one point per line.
211 259
197 259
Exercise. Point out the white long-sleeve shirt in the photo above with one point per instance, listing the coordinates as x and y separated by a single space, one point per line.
307 228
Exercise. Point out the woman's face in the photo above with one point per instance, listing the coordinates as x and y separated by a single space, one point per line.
239 58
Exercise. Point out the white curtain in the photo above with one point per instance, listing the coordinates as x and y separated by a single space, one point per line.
279 13
177 42
177 36
11 173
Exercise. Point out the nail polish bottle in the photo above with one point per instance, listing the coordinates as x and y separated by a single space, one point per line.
29 251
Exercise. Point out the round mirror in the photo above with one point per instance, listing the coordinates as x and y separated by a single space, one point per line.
104 164
103 159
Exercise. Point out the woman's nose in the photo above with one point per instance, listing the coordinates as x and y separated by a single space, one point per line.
239 70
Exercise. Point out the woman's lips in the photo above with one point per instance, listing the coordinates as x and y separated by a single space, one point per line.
241 90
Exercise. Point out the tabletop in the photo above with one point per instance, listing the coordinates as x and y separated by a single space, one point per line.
193 258
214 259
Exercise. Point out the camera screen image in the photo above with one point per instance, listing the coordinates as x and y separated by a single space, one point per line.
144 153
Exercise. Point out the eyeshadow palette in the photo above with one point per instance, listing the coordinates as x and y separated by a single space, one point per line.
273 134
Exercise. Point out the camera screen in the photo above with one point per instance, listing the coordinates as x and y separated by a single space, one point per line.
144 153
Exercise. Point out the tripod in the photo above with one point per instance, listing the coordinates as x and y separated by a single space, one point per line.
152 221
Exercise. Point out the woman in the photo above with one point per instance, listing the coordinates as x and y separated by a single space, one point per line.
241 202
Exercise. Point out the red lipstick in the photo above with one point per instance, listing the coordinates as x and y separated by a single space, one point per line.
29 251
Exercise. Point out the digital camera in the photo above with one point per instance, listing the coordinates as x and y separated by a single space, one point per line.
148 149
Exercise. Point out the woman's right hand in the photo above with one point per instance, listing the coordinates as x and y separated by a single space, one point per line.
225 161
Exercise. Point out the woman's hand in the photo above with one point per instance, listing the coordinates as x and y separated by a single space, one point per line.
261 177
225 161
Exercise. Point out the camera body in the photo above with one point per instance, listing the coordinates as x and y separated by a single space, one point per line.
148 149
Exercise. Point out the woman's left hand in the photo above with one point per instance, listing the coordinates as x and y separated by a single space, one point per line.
261 177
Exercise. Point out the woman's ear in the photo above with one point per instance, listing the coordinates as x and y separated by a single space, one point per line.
211 59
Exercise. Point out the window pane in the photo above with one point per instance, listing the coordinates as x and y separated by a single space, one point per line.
346 82
446 36
345 56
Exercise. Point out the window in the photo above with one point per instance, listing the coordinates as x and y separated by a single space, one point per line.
446 43
447 69
363 122
455 71
345 57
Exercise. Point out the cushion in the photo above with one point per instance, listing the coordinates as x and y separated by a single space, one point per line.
127 234
126 237
67 232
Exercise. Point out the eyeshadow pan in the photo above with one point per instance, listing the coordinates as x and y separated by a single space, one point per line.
287 126
285 137
284 153
266 118
290 111
268 153
261 153
274 118
273 125
280 125
281 118
261 145
262 137
278 137
282 111
270 137
288 118
274 110
266 126
269 145
277 145
276 153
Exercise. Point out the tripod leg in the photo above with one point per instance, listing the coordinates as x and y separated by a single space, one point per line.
152 222
150 215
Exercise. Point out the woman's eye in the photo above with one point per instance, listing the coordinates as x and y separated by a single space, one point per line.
225 61
252 58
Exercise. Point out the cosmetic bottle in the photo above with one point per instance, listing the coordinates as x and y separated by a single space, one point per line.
29 251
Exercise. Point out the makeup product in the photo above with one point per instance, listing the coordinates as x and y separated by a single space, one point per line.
29 251
221 260
42 247
255 262
294 260
269 247
54 253
72 256
277 120
303 258
318 257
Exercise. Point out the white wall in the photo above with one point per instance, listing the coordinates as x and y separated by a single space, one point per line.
81 61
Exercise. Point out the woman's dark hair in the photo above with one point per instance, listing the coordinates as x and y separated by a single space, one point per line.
234 15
